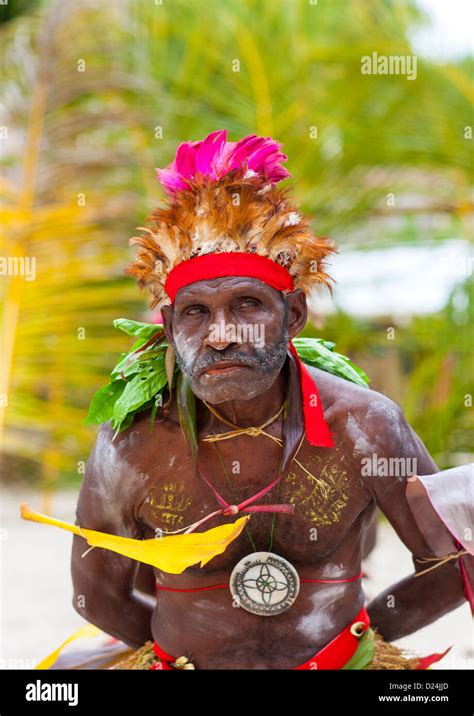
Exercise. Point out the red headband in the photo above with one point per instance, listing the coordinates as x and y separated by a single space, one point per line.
234 263
228 263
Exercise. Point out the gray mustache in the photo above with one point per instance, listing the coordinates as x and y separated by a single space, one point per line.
227 357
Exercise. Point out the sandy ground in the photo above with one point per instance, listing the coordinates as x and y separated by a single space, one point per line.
36 613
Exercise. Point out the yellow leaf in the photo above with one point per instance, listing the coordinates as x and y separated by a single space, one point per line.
171 554
86 630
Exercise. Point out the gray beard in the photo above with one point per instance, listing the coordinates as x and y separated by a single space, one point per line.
269 359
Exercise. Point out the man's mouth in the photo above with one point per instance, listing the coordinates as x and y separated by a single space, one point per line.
222 368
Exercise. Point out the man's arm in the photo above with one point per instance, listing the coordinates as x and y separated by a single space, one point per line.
413 602
103 580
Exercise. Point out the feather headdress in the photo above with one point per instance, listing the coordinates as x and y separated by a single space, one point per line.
221 197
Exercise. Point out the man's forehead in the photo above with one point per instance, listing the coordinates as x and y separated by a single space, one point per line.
224 283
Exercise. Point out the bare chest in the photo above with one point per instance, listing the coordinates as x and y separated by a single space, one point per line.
321 485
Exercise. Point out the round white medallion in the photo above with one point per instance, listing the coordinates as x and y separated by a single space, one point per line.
264 583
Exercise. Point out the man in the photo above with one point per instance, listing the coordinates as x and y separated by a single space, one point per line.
236 259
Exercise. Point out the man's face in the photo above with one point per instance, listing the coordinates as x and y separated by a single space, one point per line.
230 336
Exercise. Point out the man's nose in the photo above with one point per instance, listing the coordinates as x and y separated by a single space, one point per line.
221 332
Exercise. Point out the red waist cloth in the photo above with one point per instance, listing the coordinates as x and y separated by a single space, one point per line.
333 656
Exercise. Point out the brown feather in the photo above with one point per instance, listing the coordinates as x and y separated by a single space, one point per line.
230 215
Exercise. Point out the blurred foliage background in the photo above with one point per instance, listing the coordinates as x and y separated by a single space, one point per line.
95 95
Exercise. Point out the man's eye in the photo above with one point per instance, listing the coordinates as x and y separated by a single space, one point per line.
193 310
248 303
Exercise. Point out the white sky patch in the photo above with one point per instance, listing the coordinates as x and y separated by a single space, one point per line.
395 281
450 36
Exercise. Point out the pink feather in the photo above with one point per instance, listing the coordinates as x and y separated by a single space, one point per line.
215 157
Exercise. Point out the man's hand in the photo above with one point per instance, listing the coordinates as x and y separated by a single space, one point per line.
413 602
103 581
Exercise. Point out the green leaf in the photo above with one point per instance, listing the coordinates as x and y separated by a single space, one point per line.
144 361
139 390
102 404
314 352
137 328
170 363
364 652
127 421
186 403
154 410
328 344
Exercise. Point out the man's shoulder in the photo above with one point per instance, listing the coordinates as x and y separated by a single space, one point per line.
357 404
145 431
340 391
121 464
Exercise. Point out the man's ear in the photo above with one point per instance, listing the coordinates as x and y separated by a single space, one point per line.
297 312
167 316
